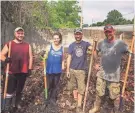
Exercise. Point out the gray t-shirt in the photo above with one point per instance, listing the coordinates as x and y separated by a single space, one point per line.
111 54
78 55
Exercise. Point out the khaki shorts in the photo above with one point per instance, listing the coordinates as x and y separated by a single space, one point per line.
77 81
113 87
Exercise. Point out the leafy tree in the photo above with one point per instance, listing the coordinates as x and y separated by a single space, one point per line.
39 14
64 14
99 23
42 14
114 17
85 25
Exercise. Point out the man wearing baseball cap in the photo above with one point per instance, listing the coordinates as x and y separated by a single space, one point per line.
108 75
76 66
18 28
20 65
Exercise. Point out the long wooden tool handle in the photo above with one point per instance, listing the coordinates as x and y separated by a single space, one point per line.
45 84
127 69
7 70
87 86
45 80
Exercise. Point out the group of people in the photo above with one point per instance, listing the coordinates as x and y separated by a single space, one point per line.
110 50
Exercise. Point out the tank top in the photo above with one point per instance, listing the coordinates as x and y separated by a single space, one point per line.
19 57
54 61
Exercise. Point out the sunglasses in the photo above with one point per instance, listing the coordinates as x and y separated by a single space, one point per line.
108 27
108 31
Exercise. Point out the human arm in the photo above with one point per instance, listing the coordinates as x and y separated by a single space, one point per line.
63 60
3 53
46 52
126 49
96 54
63 67
68 65
69 57
30 61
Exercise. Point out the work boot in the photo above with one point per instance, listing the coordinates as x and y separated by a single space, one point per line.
115 111
97 105
116 107
73 105
16 100
79 110
110 103
95 109
13 101
14 109
7 106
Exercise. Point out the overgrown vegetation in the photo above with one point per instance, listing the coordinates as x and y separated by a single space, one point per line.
42 14
52 14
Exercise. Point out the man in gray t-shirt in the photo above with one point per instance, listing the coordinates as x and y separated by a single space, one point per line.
108 75
111 54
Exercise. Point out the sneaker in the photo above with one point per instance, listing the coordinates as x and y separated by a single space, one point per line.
19 106
93 110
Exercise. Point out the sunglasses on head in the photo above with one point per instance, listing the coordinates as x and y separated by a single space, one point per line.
108 27
108 31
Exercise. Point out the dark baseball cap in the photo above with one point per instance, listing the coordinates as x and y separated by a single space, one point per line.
18 28
78 30
108 27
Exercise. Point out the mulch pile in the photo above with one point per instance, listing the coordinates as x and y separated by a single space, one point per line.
33 94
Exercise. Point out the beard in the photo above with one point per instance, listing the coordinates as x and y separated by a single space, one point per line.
78 38
110 37
19 40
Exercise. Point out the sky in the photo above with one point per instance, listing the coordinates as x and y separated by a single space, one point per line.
97 10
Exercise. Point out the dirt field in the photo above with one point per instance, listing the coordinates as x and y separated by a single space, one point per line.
33 97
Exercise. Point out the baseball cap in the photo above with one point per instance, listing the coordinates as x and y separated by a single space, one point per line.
78 30
108 27
18 28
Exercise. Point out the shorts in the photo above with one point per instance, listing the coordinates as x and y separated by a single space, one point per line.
113 88
77 81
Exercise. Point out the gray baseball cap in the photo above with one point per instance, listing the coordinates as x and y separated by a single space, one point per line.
18 28
78 30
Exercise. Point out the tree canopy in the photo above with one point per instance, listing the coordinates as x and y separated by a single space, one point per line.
42 14
52 14
114 17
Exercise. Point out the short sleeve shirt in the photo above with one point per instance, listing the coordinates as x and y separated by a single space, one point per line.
78 53
111 54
